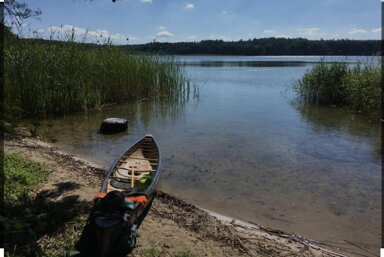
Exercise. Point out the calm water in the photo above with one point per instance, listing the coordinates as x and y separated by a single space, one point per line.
243 148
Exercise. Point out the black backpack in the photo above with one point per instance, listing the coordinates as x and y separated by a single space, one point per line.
108 231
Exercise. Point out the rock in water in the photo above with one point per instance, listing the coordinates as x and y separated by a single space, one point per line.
113 125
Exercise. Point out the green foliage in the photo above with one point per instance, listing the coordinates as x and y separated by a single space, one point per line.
364 88
146 179
154 252
47 78
11 116
21 175
184 254
324 83
17 12
264 46
355 86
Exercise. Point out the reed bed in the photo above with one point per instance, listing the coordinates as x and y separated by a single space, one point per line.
47 78
356 86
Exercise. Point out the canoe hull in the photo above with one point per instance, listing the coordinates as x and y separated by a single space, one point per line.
141 159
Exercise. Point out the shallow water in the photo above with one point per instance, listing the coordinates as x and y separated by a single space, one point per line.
246 149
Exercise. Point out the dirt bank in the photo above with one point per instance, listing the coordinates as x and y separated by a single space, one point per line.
172 227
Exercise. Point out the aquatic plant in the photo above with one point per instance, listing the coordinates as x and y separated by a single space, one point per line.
356 86
46 78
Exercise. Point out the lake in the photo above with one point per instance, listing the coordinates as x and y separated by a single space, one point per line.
245 148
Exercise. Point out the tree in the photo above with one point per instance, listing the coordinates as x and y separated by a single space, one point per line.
15 12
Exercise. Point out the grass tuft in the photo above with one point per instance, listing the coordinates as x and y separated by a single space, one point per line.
355 86
154 252
184 254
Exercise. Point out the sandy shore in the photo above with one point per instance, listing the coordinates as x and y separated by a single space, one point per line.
172 224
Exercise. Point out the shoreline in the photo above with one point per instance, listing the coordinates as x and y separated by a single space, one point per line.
172 224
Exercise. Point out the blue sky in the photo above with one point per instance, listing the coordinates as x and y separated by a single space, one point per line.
143 21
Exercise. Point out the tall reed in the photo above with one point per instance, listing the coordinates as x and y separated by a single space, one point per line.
356 86
47 78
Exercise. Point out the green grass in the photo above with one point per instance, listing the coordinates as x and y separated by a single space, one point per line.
354 86
39 224
154 252
159 252
46 78
60 243
63 241
184 254
21 175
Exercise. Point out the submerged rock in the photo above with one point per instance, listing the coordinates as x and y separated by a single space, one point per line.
113 125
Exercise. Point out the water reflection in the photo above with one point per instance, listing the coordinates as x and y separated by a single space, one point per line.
169 110
79 133
326 120
247 63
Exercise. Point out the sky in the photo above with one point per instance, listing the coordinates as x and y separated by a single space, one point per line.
143 21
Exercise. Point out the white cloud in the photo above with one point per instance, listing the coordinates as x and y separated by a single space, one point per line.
189 6
164 34
225 38
282 36
269 31
162 28
90 34
376 30
308 31
192 37
146 1
224 12
357 31
117 36
67 28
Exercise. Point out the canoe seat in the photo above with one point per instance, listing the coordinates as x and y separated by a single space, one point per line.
138 165
135 162
123 183
126 173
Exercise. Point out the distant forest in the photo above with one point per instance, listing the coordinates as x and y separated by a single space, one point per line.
264 46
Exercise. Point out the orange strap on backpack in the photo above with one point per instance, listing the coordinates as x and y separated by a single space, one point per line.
141 199
99 195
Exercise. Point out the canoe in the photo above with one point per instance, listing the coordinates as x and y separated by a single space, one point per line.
136 171
124 200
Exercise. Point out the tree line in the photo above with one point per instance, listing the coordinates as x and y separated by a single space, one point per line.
264 46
